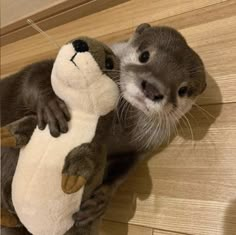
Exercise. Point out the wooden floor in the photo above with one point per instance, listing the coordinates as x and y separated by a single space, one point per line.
190 186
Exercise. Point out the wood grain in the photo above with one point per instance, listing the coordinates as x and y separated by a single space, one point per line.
13 11
159 232
15 14
53 16
123 16
112 228
188 187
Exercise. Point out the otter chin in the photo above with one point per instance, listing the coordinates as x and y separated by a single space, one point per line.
161 77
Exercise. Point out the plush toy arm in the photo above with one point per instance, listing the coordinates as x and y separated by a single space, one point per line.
18 133
80 165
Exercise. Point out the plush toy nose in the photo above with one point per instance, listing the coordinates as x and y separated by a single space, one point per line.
80 46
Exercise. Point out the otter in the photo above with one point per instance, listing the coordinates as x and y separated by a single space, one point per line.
160 78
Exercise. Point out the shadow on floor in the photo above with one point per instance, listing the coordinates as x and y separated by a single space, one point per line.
230 219
200 128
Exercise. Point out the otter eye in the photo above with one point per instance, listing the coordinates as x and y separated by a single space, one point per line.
144 57
109 64
183 91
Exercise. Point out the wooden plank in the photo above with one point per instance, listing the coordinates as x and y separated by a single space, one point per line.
161 232
100 25
52 17
113 228
221 87
15 14
186 188
13 11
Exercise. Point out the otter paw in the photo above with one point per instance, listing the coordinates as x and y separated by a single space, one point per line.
54 112
94 207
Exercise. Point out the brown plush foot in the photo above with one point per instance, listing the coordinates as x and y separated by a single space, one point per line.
18 133
8 220
72 183
7 139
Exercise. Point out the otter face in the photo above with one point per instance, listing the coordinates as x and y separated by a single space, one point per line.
160 73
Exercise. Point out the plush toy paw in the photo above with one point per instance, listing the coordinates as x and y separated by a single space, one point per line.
18 133
8 220
94 207
72 183
53 111
78 168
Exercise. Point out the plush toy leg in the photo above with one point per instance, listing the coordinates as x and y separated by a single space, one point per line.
18 133
7 139
8 219
80 165
75 165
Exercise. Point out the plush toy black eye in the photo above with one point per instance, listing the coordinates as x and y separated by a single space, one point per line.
144 57
109 64
183 91
80 46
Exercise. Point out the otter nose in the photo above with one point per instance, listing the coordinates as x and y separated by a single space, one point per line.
80 46
151 91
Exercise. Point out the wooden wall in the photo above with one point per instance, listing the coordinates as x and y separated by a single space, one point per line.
13 11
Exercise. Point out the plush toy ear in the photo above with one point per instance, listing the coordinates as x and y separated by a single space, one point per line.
142 27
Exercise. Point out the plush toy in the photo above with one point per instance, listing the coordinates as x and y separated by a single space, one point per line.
43 197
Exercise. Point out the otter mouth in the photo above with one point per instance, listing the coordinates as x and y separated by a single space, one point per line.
137 102
134 98
72 60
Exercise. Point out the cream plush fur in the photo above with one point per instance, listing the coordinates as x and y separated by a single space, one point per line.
39 201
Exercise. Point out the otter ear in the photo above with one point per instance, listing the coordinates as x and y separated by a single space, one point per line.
142 27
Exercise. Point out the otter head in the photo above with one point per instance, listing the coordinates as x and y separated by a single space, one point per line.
161 74
82 76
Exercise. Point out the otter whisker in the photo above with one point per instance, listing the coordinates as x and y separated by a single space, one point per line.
168 127
47 36
204 111
163 127
152 137
160 129
173 122
189 125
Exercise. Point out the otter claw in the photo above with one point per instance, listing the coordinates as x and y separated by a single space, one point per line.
72 183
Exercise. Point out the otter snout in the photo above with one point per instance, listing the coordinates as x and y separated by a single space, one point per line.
151 91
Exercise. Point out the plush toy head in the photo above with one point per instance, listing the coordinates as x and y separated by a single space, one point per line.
79 76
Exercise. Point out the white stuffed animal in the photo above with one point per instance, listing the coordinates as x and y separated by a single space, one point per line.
78 79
